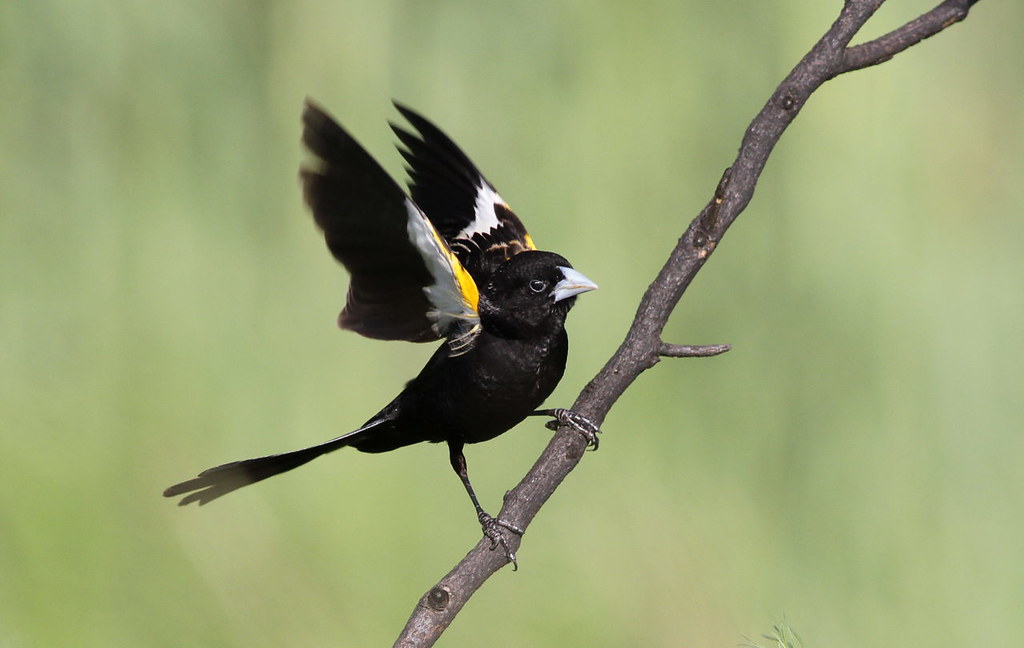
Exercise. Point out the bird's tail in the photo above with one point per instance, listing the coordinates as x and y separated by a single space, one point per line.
221 480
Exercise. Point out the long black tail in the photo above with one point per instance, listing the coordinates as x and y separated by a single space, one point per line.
221 480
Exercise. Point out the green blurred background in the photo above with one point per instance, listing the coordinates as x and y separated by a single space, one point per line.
853 465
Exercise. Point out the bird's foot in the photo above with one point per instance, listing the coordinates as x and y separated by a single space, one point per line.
578 422
492 530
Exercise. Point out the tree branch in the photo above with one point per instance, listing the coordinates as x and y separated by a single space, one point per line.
643 346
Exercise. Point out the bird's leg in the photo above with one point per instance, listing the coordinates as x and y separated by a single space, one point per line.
577 422
488 524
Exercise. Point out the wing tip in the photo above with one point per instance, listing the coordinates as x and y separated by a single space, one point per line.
313 114
405 110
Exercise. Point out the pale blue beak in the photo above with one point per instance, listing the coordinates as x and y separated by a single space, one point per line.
572 284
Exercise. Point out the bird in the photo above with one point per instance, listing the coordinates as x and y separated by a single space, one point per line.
448 261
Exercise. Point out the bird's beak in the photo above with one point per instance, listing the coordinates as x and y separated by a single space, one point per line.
572 284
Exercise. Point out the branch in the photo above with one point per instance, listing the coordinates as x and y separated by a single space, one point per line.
885 47
691 351
643 346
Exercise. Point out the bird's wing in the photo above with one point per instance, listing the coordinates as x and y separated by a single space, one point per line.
473 219
406 284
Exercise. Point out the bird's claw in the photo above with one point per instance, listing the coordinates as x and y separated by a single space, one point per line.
578 422
492 531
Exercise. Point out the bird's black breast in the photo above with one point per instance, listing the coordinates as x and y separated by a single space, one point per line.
509 379
472 396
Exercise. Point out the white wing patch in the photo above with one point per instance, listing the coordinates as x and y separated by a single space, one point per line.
484 218
453 294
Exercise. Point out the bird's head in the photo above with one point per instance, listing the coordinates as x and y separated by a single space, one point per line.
530 294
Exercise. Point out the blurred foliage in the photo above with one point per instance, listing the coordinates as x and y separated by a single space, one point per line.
781 636
166 305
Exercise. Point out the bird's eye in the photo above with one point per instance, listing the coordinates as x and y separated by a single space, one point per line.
538 286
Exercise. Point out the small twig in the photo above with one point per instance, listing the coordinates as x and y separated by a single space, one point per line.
691 351
830 57
885 47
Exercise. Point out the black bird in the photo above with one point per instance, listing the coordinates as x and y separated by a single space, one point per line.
453 262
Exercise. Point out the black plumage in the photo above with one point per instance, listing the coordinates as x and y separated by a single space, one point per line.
453 262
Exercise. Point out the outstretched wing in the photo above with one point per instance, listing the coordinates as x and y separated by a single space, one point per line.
406 284
475 221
